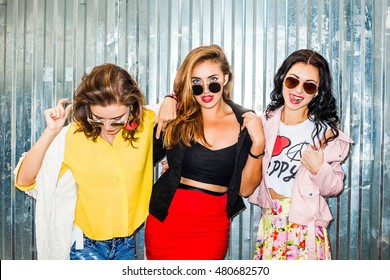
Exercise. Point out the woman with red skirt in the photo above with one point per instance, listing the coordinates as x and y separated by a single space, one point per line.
214 149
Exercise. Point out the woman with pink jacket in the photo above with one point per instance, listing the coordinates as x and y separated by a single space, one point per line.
302 162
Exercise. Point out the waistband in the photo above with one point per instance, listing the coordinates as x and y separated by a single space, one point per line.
78 236
191 188
113 240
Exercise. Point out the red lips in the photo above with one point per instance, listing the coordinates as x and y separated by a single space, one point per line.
280 143
207 98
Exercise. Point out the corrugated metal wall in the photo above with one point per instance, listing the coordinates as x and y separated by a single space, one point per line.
46 45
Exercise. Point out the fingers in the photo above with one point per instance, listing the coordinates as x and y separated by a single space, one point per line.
248 116
62 101
312 148
253 124
165 166
312 158
159 128
68 108
59 111
166 113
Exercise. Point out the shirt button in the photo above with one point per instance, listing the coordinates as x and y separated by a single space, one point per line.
310 194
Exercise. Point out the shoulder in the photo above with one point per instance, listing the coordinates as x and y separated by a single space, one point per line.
238 110
344 138
272 115
71 127
149 116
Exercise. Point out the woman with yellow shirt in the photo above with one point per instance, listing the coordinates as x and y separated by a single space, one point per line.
107 153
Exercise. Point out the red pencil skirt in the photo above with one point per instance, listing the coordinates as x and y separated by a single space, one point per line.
196 228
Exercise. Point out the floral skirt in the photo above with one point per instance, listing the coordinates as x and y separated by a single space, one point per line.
278 239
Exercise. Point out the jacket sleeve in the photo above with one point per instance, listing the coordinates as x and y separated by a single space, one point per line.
330 179
158 147
29 190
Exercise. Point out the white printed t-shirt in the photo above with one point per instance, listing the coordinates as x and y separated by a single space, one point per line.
290 143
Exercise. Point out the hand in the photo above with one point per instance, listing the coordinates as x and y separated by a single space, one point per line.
165 166
56 117
166 114
312 158
253 124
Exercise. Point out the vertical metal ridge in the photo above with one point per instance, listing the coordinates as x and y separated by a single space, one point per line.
384 60
54 50
254 55
242 58
201 21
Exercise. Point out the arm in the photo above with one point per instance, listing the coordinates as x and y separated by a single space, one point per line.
158 148
55 119
251 174
327 176
167 112
330 179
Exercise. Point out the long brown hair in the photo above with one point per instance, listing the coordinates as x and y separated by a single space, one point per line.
188 126
105 85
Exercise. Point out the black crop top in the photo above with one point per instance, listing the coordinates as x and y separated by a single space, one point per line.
209 166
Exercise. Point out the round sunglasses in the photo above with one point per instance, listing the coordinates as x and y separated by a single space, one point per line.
213 87
308 87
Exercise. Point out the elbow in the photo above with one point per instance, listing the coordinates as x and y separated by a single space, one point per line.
246 193
332 189
247 190
24 182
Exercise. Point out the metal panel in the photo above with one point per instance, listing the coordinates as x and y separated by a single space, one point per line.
46 46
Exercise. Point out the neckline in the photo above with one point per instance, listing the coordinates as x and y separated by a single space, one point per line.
295 125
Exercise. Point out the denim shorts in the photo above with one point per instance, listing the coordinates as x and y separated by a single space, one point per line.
122 248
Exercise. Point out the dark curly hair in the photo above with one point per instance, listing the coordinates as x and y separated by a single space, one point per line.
105 85
322 108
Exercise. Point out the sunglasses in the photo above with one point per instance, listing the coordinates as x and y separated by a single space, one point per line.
113 123
213 87
308 87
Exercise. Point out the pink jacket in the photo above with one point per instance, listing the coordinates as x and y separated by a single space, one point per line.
308 205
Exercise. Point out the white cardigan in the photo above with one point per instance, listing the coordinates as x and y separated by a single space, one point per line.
55 203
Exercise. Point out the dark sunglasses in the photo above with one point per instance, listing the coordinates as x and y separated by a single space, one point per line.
113 123
308 87
213 87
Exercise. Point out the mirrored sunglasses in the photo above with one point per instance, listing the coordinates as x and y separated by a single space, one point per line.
213 87
308 87
113 123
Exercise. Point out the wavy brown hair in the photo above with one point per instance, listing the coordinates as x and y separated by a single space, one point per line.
188 126
106 85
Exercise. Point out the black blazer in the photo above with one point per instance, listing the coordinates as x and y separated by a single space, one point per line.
165 187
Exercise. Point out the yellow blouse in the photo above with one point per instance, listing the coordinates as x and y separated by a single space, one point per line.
114 181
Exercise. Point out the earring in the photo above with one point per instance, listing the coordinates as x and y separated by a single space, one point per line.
131 124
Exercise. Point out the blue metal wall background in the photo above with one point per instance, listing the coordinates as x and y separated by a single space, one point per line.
46 45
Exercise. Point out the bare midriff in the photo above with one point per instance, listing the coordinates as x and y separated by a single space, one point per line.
204 186
275 195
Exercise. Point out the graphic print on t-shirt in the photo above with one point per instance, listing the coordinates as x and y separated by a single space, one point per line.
281 142
285 165
291 142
